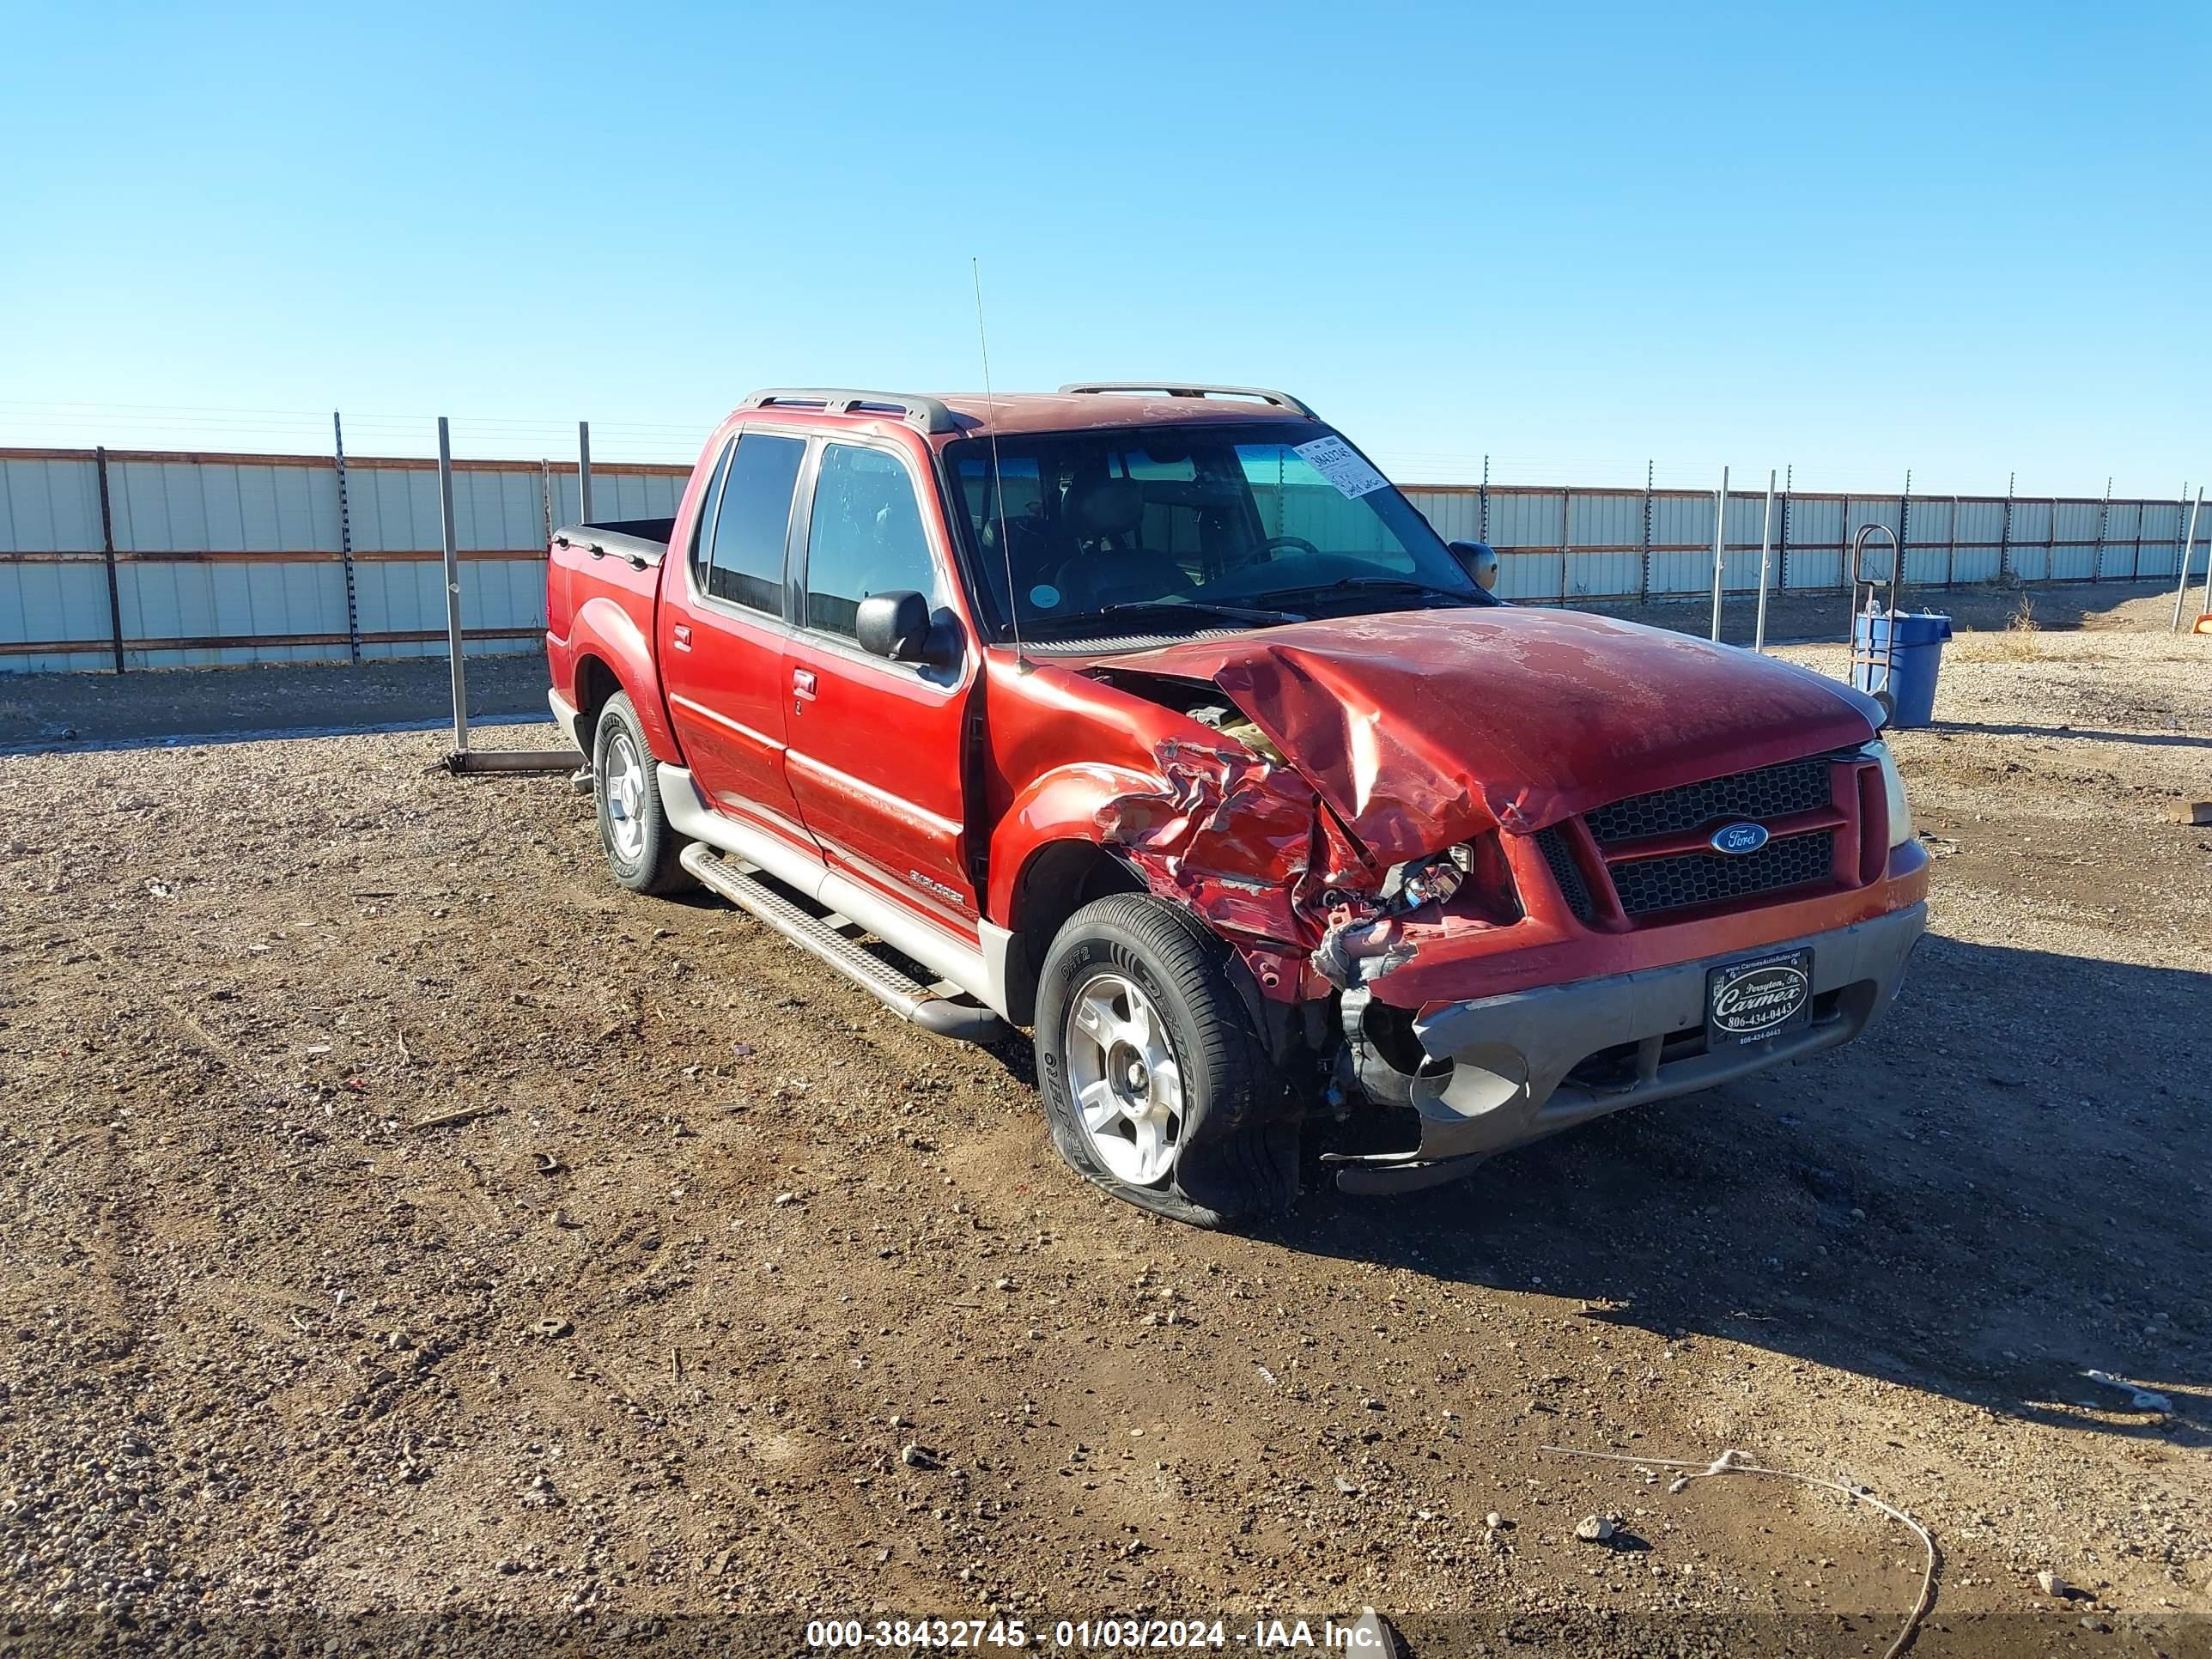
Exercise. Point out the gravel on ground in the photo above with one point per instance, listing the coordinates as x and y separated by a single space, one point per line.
400 1219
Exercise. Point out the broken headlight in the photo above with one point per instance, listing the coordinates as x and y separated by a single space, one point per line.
1431 880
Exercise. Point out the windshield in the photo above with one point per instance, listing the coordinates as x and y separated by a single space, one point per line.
1239 525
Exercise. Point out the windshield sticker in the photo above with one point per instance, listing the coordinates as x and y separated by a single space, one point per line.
1044 596
1340 464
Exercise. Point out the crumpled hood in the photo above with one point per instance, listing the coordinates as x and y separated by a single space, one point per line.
1422 727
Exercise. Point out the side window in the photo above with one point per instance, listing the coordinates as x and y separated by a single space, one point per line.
746 564
709 503
866 537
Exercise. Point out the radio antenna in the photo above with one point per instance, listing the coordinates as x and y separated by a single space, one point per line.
998 478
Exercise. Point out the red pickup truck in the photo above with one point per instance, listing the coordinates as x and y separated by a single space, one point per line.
1155 720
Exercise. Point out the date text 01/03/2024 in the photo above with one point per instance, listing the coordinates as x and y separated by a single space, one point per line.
1095 1634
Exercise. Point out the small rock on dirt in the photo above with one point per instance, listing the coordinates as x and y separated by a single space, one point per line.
1594 1529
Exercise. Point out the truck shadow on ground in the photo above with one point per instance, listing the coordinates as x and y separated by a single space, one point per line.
2000 1189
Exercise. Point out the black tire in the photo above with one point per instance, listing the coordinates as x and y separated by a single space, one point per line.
640 845
1238 1140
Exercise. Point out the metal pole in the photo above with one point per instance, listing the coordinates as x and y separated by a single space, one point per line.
345 542
2005 538
1781 552
1904 521
115 590
584 471
1567 520
2104 518
2188 552
1766 563
452 588
1644 577
2206 609
1483 531
1720 548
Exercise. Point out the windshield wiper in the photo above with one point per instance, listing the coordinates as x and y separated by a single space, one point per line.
1374 585
1189 610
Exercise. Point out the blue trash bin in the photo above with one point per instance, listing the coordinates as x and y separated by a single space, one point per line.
1919 658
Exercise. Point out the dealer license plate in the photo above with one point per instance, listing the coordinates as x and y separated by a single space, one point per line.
1758 1000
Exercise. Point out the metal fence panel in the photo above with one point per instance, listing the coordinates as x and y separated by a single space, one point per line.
49 506
2163 525
52 603
1527 518
225 559
1455 514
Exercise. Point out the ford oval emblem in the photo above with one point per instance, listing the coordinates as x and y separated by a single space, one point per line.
1739 838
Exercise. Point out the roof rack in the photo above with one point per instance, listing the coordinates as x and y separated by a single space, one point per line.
927 414
1195 389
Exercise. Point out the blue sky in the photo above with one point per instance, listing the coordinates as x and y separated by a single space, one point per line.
1856 239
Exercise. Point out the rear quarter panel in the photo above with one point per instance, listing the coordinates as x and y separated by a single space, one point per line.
601 609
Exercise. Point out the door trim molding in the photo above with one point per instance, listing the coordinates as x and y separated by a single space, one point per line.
738 726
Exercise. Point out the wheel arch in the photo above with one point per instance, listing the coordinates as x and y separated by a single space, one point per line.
612 655
1056 879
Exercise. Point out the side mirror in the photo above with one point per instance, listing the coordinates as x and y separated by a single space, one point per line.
1479 559
895 626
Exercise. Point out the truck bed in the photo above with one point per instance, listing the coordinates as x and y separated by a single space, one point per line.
619 560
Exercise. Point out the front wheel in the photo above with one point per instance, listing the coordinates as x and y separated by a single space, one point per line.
642 846
1155 1086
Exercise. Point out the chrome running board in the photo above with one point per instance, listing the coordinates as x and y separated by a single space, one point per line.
927 1006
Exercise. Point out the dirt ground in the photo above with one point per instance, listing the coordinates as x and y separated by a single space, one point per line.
402 1224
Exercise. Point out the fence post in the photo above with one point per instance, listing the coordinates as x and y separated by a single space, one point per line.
2104 518
2188 551
2181 511
584 471
1782 557
1904 528
1566 518
1951 550
2051 545
108 545
1766 563
1644 578
2005 538
1720 548
345 542
452 588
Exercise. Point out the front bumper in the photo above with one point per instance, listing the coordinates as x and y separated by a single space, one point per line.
1499 1070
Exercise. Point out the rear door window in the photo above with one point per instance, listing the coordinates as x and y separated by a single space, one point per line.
865 537
702 531
745 562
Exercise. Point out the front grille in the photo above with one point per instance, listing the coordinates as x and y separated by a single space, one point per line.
1672 884
1566 872
1771 792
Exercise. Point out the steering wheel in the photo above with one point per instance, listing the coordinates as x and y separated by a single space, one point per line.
1298 542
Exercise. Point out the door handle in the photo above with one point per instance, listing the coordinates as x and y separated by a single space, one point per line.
680 636
802 683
